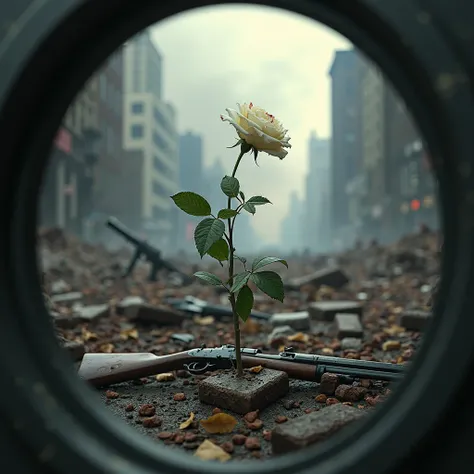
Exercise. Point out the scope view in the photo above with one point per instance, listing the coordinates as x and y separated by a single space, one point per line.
239 235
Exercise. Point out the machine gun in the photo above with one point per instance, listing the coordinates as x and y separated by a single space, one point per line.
144 249
106 369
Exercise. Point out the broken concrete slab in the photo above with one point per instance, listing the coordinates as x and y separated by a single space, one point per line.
74 349
414 320
65 321
333 277
243 395
92 312
309 429
129 306
327 310
347 325
299 321
162 315
67 298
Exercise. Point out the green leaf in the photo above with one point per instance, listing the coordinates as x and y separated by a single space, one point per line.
192 204
240 280
258 200
206 233
242 195
237 144
226 213
230 186
261 262
209 278
219 250
244 303
270 283
249 208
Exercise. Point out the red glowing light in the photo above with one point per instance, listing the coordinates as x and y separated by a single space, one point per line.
415 205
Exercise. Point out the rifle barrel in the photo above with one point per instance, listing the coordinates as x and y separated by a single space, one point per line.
121 229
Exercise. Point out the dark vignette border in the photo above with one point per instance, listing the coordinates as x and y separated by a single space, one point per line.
60 43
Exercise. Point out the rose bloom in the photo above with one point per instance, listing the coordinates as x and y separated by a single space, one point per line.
259 129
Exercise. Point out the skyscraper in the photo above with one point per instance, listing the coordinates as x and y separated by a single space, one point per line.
316 202
150 126
190 179
345 143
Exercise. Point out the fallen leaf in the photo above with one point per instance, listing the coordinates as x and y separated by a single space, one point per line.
219 423
256 370
251 327
298 337
88 335
187 423
129 334
208 451
204 321
167 377
107 348
394 330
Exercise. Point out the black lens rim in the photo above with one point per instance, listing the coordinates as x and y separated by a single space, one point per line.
63 424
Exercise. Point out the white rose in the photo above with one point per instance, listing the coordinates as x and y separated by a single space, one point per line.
259 129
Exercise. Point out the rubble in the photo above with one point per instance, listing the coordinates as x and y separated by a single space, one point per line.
309 429
383 292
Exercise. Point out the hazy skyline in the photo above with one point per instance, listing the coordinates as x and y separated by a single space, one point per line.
216 56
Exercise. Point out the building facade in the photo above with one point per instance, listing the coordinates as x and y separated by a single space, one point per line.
345 143
316 203
67 191
149 126
191 178
399 191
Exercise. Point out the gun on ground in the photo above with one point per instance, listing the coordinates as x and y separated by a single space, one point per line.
144 249
106 369
193 305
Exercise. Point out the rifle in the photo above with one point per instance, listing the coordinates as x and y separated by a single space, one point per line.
144 249
193 305
106 369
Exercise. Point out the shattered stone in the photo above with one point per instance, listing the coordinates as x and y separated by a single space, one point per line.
65 321
309 429
415 320
243 395
67 298
327 310
161 315
93 312
186 338
60 286
299 321
329 383
129 306
278 335
333 277
351 343
347 325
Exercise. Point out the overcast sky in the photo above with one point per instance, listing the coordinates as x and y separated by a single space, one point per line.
217 56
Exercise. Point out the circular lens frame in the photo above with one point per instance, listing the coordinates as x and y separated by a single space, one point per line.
51 51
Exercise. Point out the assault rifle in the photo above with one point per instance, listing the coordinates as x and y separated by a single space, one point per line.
106 369
144 249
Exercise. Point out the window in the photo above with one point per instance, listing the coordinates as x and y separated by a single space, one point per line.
138 108
137 131
158 189
156 212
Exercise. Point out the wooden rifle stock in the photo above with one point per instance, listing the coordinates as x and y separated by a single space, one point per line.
106 369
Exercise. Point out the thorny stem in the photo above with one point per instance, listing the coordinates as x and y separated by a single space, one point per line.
230 223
